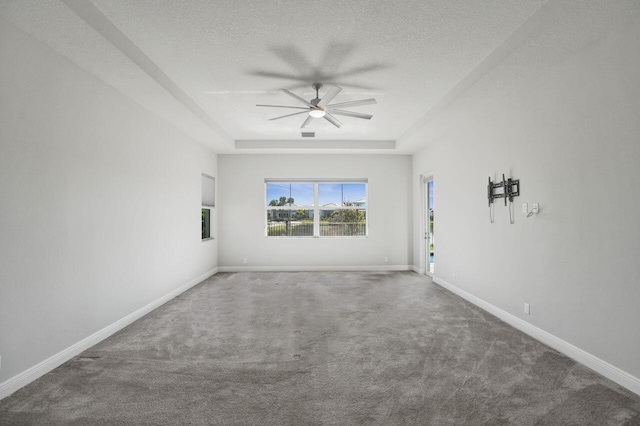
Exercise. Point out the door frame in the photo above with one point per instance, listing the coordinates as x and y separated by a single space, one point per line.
424 222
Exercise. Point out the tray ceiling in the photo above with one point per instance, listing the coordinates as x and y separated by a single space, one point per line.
203 65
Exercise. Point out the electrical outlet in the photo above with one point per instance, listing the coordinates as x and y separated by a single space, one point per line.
536 208
527 309
525 208
453 277
244 260
386 259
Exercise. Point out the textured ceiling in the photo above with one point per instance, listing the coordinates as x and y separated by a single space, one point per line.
203 65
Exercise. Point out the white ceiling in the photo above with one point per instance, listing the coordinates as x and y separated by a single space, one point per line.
202 65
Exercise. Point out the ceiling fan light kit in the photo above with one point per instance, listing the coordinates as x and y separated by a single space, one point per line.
320 107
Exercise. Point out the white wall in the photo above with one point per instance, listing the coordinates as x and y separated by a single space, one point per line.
100 204
242 211
572 137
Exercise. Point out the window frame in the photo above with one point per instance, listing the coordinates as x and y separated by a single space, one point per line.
209 206
205 223
316 207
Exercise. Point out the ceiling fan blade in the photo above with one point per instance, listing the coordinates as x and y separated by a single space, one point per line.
328 97
282 106
351 114
294 96
289 115
331 119
304 85
306 122
282 76
351 104
363 69
295 57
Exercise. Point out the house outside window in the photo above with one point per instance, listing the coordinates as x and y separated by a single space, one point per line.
316 208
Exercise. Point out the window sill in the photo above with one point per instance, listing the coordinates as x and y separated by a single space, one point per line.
208 239
364 237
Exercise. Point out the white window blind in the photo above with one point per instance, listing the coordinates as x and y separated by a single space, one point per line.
208 190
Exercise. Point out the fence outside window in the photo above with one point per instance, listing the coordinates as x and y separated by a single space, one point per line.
316 208
305 229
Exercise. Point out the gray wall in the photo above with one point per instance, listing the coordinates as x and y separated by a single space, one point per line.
100 204
571 133
242 211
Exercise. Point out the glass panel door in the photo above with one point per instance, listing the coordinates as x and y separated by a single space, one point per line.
429 237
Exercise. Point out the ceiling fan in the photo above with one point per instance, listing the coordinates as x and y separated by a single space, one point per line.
320 108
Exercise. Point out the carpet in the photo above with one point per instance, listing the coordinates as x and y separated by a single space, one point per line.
320 348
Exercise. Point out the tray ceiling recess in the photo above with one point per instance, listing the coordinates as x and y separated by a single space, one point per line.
203 66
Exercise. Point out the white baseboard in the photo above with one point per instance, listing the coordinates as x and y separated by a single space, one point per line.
607 370
417 269
315 268
22 379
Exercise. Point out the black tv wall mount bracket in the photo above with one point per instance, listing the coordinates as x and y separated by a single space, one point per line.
506 189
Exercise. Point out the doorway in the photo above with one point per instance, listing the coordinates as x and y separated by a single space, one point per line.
429 238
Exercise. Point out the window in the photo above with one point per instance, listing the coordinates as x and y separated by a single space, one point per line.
208 200
316 208
290 209
343 209
206 224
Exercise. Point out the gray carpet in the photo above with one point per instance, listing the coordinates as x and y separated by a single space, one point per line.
320 349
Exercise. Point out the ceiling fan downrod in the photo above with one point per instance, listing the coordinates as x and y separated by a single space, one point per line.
316 86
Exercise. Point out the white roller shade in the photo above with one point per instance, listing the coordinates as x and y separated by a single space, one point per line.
208 190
